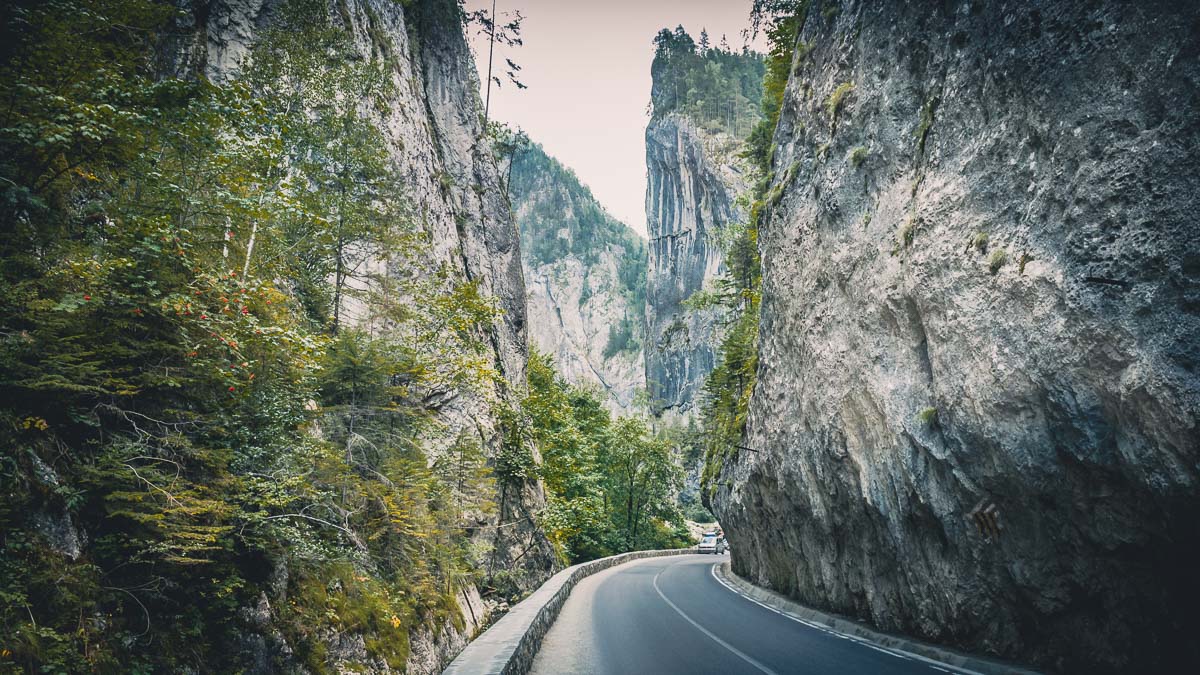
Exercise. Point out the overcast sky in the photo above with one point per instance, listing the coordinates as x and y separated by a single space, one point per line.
587 66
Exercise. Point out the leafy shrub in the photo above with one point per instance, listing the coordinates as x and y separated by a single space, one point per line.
997 260
858 156
837 100
979 242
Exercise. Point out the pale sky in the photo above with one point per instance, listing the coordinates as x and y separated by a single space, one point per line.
587 66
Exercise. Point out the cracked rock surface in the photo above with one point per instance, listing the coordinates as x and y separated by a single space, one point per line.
693 181
977 399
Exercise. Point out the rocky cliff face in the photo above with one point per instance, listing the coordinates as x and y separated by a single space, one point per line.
585 279
694 179
976 412
432 122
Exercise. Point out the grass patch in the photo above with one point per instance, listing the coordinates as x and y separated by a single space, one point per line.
927 113
858 156
927 416
907 231
837 100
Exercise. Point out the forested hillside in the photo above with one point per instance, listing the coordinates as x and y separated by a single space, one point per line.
585 273
264 398
214 456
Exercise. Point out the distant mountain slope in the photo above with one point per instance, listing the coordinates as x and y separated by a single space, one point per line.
585 277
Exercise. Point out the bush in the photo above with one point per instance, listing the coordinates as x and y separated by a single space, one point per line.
927 416
997 260
837 99
858 156
979 242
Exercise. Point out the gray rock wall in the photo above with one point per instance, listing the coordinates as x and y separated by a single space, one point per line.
693 182
988 441
572 305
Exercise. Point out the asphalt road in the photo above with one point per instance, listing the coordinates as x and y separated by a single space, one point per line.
671 615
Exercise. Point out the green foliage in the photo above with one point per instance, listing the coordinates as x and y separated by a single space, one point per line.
703 299
622 338
858 155
837 100
726 397
979 242
784 18
558 216
714 86
907 231
997 260
175 380
927 113
610 483
927 416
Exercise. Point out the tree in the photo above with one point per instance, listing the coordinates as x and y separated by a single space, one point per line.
642 482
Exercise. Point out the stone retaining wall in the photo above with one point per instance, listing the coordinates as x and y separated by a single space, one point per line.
509 645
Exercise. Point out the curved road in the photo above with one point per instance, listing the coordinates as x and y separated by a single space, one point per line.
671 615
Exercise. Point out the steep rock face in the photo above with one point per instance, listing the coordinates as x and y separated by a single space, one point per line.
694 179
435 134
585 279
976 412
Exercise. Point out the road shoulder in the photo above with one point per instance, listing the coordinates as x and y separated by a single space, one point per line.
934 655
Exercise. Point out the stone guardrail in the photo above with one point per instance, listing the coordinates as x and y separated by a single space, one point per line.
509 645
855 630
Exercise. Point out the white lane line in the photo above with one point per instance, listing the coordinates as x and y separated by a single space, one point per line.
745 657
937 665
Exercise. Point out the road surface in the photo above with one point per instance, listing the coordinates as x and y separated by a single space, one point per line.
672 615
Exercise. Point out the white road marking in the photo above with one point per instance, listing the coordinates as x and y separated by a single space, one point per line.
936 665
745 657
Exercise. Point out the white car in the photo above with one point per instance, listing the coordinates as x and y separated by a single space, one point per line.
710 543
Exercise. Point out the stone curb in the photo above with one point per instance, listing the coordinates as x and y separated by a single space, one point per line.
922 650
509 645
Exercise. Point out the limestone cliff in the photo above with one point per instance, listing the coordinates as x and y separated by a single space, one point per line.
976 411
585 274
703 100
693 182
433 125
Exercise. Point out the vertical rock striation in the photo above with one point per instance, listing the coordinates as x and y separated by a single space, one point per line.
586 279
977 399
693 180
435 135
704 99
